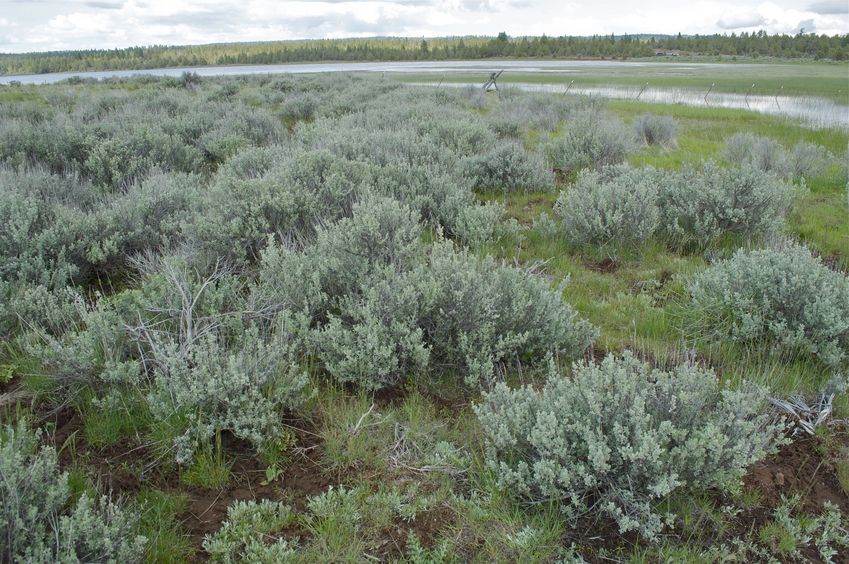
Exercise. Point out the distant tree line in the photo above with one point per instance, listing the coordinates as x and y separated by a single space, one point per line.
760 44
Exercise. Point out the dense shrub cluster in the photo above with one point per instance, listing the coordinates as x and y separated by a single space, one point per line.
194 193
785 297
508 168
697 206
805 160
701 205
617 205
618 436
382 305
39 520
88 181
591 140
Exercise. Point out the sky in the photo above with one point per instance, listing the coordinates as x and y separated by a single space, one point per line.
42 25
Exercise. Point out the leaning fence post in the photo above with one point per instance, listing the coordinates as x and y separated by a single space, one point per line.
571 82
747 95
780 90
708 92
643 89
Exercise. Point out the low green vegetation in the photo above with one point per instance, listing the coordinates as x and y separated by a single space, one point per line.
271 320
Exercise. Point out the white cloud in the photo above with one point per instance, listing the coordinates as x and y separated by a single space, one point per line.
830 7
70 24
740 20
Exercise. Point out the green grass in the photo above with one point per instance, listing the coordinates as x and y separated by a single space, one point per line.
209 469
354 431
160 523
827 80
108 423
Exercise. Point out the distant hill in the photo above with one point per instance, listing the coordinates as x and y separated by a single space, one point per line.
757 44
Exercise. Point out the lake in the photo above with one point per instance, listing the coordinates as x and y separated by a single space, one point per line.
813 111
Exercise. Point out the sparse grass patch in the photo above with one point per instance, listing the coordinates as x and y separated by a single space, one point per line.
209 468
107 423
355 433
160 522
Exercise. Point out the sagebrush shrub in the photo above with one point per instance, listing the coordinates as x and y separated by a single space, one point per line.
591 140
382 304
616 206
804 161
699 205
286 196
656 130
478 314
508 168
40 523
616 437
214 365
784 297
247 534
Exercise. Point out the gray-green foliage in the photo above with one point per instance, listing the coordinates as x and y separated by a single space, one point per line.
273 191
784 297
617 205
480 315
508 168
383 305
616 437
591 140
214 365
655 130
245 535
791 530
39 522
804 161
694 206
55 231
700 205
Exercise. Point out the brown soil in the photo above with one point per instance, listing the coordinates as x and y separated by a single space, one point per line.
606 266
428 526
300 479
119 469
798 468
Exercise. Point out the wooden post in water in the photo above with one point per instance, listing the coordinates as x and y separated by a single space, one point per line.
571 82
708 92
643 89
780 90
747 95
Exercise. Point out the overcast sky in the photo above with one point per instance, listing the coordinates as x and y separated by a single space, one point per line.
40 25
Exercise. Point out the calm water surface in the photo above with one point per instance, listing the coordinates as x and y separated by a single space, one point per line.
816 112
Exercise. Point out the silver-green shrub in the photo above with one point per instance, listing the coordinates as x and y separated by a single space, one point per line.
615 206
699 205
806 160
653 129
591 140
255 198
382 304
38 520
478 315
214 365
247 534
783 297
508 168
616 437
